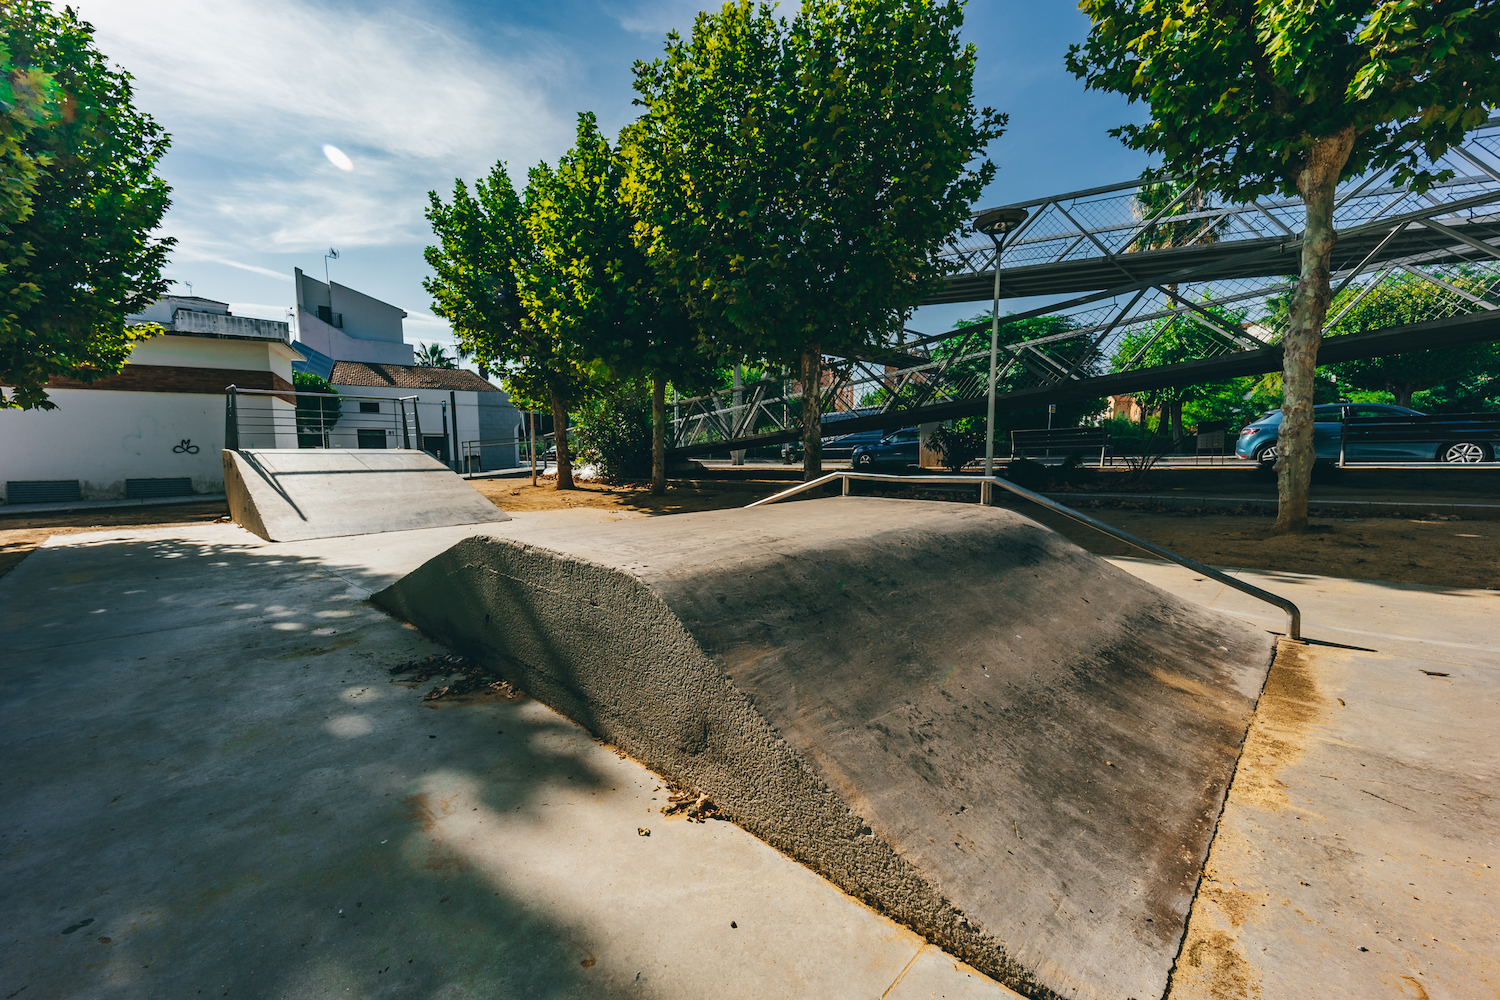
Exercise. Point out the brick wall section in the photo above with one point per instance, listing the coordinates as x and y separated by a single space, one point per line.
168 378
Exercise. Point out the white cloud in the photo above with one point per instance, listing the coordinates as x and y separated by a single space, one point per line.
252 90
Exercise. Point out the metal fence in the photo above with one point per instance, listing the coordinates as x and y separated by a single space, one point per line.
269 418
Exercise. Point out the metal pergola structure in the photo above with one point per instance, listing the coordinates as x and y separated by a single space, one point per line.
1213 278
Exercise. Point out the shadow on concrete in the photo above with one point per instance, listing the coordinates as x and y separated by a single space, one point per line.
213 788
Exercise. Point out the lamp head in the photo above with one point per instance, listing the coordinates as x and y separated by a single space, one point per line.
999 221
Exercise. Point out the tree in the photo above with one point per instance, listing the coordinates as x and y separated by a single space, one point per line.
794 179
593 288
1173 340
1398 300
1250 97
316 414
79 200
434 356
484 251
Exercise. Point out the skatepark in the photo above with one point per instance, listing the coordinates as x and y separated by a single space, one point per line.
951 753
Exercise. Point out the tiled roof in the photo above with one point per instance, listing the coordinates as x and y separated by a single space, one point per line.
407 377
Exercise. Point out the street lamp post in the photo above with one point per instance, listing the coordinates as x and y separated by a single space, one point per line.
995 224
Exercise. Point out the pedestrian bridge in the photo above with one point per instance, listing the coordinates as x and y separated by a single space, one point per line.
1154 285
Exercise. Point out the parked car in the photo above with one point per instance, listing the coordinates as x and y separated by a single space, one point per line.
836 445
898 448
1404 435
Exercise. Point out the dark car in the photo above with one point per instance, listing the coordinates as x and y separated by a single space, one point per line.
898 448
1405 435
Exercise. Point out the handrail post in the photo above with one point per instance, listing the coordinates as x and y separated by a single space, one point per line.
231 420
847 481
405 431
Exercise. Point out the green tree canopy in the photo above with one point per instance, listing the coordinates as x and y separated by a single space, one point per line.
1249 97
434 356
79 200
1403 298
593 288
485 251
794 178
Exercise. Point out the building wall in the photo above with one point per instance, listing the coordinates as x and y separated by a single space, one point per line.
481 415
162 417
340 345
365 317
101 438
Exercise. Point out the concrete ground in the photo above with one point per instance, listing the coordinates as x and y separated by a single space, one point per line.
1357 852
213 788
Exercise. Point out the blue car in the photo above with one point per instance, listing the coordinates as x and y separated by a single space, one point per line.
1428 440
898 448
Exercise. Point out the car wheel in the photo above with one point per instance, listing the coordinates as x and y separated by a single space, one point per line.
864 460
1266 455
1462 453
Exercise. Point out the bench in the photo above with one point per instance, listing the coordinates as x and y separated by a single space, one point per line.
1067 440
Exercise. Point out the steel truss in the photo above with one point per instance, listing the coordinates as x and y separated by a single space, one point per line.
1210 280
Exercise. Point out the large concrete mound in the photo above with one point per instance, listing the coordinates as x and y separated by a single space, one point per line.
288 494
950 711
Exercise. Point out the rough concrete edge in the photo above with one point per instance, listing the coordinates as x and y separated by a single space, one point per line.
1213 836
242 509
890 885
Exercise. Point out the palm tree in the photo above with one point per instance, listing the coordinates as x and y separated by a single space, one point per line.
434 356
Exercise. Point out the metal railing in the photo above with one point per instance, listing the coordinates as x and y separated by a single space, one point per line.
290 418
986 483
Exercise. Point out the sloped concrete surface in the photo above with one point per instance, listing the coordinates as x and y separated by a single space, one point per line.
291 494
952 712
1359 851
212 788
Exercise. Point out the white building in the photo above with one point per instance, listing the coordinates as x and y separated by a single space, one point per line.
156 428
451 413
358 344
346 325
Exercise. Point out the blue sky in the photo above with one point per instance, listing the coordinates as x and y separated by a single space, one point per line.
417 94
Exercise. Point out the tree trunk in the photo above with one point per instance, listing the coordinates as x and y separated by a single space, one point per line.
810 370
560 433
658 436
1177 431
1403 394
1294 445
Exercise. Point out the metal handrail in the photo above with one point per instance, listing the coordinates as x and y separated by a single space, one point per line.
1293 613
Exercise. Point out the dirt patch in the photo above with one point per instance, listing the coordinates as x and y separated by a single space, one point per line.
520 495
473 683
1289 706
21 533
1439 553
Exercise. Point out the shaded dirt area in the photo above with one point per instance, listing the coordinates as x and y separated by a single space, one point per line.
1427 551
520 495
20 534
1439 553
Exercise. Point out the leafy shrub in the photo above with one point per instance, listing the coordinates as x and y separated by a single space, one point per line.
615 435
316 415
959 444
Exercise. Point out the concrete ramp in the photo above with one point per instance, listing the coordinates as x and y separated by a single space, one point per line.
950 711
288 494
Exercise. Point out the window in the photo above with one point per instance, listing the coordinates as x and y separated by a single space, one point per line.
369 407
369 438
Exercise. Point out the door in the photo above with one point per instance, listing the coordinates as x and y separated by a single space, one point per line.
436 445
1328 427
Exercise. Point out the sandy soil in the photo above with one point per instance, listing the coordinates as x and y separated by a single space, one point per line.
1452 553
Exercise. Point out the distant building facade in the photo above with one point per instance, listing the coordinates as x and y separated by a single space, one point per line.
358 344
156 428
344 325
456 416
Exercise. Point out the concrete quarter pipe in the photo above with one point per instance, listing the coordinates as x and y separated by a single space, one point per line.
950 711
288 494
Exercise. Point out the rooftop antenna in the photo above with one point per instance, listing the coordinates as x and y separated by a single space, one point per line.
332 254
